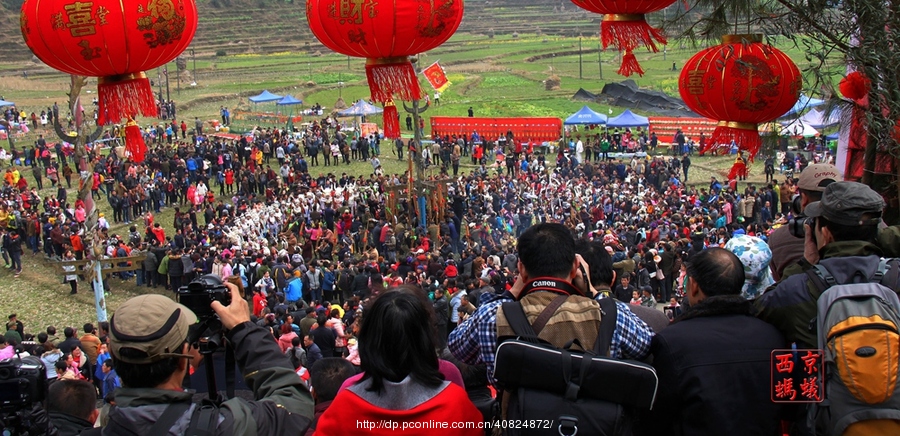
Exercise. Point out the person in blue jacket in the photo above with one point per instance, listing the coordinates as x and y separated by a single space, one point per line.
294 291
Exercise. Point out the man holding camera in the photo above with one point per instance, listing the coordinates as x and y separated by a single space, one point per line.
149 345
787 249
840 236
548 267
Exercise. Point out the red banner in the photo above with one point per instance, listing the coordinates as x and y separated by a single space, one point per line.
436 77
523 128
856 150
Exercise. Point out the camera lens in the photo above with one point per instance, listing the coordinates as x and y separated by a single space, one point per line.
5 373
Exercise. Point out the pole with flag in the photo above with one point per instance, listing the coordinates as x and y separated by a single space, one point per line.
436 77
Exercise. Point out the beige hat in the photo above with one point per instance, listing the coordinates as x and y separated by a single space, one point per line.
817 176
153 324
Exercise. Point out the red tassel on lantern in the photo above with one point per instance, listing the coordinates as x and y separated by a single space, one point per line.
629 31
390 77
134 141
630 65
123 96
745 135
391 121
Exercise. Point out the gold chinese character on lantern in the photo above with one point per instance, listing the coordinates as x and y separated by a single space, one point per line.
81 22
88 52
695 82
102 12
57 21
353 11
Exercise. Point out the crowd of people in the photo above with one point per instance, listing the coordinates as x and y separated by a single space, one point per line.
331 279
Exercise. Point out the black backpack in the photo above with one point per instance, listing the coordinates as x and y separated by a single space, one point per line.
568 390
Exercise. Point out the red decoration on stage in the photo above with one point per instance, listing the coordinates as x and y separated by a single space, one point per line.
134 141
525 129
741 83
625 27
386 34
115 41
391 121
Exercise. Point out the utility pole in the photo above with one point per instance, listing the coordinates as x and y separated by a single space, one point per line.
159 82
600 60
580 63
166 72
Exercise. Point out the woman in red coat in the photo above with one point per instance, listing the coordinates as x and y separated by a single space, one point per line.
403 388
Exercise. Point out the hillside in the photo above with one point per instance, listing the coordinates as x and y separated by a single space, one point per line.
268 26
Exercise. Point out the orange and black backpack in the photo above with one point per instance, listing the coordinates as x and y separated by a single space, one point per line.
859 333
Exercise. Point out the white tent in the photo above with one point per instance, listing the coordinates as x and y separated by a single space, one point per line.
817 119
799 128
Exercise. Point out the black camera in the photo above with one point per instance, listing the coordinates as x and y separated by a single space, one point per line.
23 382
795 225
201 292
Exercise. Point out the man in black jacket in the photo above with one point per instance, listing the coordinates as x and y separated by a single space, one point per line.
361 282
72 406
715 343
70 342
281 273
148 346
442 316
324 337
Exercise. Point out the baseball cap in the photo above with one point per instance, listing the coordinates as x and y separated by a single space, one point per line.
845 203
817 176
153 324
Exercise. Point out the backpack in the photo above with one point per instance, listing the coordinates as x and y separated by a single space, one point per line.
576 390
858 332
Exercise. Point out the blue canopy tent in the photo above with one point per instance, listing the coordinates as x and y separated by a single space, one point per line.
803 103
360 108
833 137
266 96
6 103
288 100
628 119
586 116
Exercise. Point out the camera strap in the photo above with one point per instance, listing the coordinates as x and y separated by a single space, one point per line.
550 284
229 370
168 418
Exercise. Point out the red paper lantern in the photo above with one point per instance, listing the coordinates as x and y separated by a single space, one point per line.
386 33
625 27
113 40
742 83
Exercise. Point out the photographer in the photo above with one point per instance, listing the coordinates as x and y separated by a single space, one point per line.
787 250
151 354
842 240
